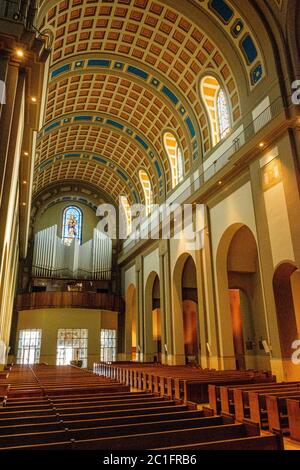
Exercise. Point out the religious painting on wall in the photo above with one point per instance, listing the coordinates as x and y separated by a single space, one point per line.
271 174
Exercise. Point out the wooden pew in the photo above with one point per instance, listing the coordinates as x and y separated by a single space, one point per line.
277 410
234 398
107 421
258 407
111 407
163 439
270 442
293 410
103 432
157 439
146 409
77 410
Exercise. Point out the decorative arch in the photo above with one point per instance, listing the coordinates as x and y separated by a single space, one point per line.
131 323
147 76
153 318
147 188
241 308
77 146
85 172
186 311
286 286
217 107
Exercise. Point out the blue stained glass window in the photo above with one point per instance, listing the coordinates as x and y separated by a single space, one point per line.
72 224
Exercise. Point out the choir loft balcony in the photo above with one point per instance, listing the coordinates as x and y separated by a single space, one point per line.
90 300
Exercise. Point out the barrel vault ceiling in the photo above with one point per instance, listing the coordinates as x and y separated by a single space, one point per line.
123 72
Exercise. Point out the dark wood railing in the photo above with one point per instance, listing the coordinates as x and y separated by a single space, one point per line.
37 300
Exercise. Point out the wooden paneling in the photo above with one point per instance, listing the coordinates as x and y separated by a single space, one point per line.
38 300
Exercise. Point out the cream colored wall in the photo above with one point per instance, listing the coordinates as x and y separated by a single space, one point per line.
151 264
235 209
50 320
53 216
228 215
277 213
281 205
129 278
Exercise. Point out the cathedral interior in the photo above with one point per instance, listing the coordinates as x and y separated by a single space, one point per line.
121 109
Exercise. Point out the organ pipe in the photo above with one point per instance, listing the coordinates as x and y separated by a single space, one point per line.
52 257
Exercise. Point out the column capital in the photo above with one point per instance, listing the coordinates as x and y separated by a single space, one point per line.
138 263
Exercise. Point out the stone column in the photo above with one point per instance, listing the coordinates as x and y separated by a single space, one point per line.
291 183
209 301
10 163
267 270
140 346
4 61
165 303
12 72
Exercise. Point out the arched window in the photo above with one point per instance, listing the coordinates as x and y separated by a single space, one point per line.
72 225
216 104
126 213
146 184
175 157
223 114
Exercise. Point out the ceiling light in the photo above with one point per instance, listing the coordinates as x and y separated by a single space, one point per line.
220 182
24 182
26 154
23 204
20 53
33 99
261 145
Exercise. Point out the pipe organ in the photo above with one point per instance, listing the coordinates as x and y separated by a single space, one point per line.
53 258
102 255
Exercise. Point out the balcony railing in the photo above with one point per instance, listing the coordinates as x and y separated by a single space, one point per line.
65 273
90 300
183 192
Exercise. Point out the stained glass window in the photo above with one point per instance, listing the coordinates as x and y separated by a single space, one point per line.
108 345
223 114
146 184
175 158
29 347
72 345
126 214
72 224
216 103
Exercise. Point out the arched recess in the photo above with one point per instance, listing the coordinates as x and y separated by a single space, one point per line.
243 327
217 106
286 285
175 157
131 332
147 188
153 318
186 313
